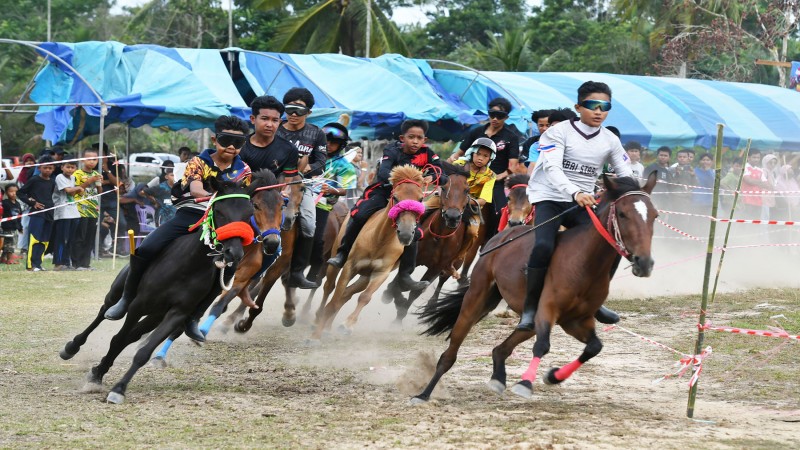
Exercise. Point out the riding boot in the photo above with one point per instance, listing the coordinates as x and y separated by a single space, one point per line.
350 235
302 253
191 329
408 262
605 315
136 269
535 284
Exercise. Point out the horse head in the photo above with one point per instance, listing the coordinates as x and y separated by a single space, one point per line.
267 210
294 194
454 195
406 201
519 207
228 219
630 219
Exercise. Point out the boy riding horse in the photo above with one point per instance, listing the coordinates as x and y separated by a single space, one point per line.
409 150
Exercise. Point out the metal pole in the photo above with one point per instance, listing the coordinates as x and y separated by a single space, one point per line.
103 112
48 21
230 36
698 348
369 26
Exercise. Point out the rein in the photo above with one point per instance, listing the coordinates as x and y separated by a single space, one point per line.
612 225
530 230
444 236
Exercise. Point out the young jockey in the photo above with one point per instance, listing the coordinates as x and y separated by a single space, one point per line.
222 161
571 156
409 150
481 185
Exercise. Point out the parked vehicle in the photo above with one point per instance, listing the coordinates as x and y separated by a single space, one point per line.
145 166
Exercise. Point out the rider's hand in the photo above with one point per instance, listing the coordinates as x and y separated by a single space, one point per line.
583 199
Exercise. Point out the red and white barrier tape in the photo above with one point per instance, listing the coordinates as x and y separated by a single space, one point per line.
39 211
717 219
721 190
58 162
765 333
682 233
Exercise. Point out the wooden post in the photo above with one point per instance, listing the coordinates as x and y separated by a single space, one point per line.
132 242
698 348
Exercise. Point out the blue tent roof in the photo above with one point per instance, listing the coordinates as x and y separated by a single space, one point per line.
654 111
143 84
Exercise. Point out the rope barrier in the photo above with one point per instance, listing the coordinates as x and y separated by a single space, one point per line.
39 211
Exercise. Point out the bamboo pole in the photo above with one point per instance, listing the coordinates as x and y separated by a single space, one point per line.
698 348
730 217
116 220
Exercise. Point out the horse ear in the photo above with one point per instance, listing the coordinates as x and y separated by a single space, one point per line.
609 183
651 182
215 183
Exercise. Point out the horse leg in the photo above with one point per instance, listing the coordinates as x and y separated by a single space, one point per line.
238 313
289 307
403 306
369 286
543 325
304 313
269 280
499 355
162 329
160 360
435 297
330 310
585 333
327 290
463 280
477 300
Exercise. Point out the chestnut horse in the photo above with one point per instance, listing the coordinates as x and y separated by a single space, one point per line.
519 210
576 286
377 249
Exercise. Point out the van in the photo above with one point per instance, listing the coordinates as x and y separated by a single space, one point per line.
146 166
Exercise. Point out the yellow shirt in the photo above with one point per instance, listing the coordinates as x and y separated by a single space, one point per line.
481 184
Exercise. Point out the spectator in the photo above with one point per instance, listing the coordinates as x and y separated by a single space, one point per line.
634 151
730 183
753 182
27 160
663 156
83 239
66 215
704 174
38 194
769 164
163 198
530 148
11 208
185 154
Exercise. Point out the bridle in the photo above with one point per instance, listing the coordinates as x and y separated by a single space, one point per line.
529 217
211 235
612 224
404 205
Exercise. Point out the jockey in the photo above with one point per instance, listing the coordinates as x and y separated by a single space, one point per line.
222 162
481 186
409 150
571 157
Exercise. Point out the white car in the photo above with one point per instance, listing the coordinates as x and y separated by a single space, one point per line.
146 166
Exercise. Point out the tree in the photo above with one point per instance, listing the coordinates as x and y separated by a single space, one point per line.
510 50
178 23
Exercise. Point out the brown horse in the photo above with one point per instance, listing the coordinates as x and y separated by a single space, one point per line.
444 236
280 267
377 249
336 218
576 286
519 210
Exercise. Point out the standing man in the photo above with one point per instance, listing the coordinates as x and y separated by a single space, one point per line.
312 146
506 158
264 149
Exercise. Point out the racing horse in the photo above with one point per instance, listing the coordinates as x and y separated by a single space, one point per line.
289 232
182 277
443 236
519 210
576 286
377 249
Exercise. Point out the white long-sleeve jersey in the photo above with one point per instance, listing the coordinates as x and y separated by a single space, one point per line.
571 157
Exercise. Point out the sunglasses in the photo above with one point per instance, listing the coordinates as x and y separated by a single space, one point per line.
334 133
498 114
594 104
297 110
229 139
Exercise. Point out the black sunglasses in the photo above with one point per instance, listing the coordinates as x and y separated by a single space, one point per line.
297 110
230 139
498 114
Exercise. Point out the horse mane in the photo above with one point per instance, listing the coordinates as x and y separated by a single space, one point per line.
405 172
453 169
517 178
263 177
623 185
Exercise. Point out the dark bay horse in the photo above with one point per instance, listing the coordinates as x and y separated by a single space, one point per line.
182 277
576 286
444 235
289 232
377 249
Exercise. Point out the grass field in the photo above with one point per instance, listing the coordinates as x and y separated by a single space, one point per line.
267 389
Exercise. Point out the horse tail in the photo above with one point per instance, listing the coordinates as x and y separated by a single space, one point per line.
441 316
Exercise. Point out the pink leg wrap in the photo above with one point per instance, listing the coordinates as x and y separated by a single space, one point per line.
530 374
566 371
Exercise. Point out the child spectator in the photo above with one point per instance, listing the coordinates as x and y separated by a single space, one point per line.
729 183
634 151
701 198
754 180
83 239
661 166
66 214
530 148
11 208
683 173
38 193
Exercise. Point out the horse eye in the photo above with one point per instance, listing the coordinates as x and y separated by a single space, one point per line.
622 215
256 206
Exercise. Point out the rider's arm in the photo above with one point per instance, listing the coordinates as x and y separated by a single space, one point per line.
619 159
196 189
318 156
387 164
551 157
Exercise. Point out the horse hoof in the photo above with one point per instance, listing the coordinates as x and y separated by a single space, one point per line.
288 322
496 386
241 326
312 342
524 389
115 398
551 377
66 354
158 362
90 387
344 331
418 400
197 343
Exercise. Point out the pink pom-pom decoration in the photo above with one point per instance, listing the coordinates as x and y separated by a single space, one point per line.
406 205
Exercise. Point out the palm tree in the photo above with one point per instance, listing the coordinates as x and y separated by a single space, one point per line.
509 50
334 26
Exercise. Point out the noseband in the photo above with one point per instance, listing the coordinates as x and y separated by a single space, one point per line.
261 235
612 224
211 235
405 205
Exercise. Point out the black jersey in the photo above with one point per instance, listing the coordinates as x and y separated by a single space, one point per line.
37 189
507 146
280 156
394 156
310 141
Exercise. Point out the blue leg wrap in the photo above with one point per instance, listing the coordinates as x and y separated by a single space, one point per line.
206 326
164 349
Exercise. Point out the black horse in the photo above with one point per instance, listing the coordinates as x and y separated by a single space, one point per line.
185 275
